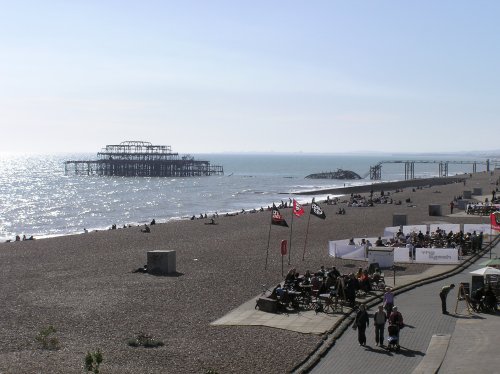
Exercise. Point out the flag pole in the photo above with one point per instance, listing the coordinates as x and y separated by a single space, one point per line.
307 232
291 230
491 233
268 240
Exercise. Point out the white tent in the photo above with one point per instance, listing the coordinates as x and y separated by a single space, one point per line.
486 271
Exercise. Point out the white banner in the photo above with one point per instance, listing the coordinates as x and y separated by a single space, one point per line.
382 255
358 254
477 227
414 228
436 255
340 249
447 227
391 231
401 254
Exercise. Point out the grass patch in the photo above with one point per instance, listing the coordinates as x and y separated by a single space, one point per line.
47 339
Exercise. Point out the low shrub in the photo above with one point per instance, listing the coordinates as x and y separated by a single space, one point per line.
92 361
47 339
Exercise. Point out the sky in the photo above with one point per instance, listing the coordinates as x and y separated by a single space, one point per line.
250 76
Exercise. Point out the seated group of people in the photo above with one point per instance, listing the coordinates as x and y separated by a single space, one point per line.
437 239
482 209
363 201
321 280
484 300
333 201
366 280
330 281
18 238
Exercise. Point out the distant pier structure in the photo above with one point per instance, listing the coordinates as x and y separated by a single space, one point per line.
142 159
376 170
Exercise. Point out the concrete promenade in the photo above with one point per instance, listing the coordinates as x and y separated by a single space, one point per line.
310 322
431 342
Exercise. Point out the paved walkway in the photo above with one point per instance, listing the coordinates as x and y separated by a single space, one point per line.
430 342
308 322
461 343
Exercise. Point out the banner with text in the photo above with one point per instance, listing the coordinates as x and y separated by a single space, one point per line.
436 255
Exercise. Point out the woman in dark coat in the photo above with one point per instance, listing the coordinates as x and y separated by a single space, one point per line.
362 321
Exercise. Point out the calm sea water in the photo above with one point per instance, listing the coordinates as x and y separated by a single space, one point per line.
36 198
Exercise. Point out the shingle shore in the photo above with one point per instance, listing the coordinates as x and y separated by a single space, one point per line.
84 286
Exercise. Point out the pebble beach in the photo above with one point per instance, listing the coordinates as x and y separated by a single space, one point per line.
85 285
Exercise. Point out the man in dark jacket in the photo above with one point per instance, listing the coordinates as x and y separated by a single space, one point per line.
362 321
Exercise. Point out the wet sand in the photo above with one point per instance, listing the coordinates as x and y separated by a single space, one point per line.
85 287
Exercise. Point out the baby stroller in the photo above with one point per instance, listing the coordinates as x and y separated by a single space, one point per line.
393 339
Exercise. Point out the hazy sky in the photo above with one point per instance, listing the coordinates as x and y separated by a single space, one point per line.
217 76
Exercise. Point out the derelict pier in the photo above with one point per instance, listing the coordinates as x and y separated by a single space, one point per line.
376 171
142 159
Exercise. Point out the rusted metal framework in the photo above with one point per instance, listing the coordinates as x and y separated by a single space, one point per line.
376 170
142 159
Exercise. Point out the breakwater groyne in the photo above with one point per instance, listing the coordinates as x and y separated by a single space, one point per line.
387 186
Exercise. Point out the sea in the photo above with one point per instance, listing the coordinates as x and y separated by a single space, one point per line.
38 199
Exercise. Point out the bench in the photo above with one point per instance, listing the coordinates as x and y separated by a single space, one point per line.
266 304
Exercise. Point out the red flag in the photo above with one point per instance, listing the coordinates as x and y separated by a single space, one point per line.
495 221
297 209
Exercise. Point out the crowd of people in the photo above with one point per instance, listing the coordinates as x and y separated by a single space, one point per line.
482 209
344 287
465 242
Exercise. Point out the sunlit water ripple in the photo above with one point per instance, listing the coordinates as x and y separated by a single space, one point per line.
36 198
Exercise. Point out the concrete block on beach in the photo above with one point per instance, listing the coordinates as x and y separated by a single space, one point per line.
476 191
399 219
467 194
434 210
161 262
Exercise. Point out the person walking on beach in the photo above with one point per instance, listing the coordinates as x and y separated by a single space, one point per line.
445 290
361 322
379 320
452 205
388 300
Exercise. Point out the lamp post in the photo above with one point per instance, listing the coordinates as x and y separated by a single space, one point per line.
394 274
